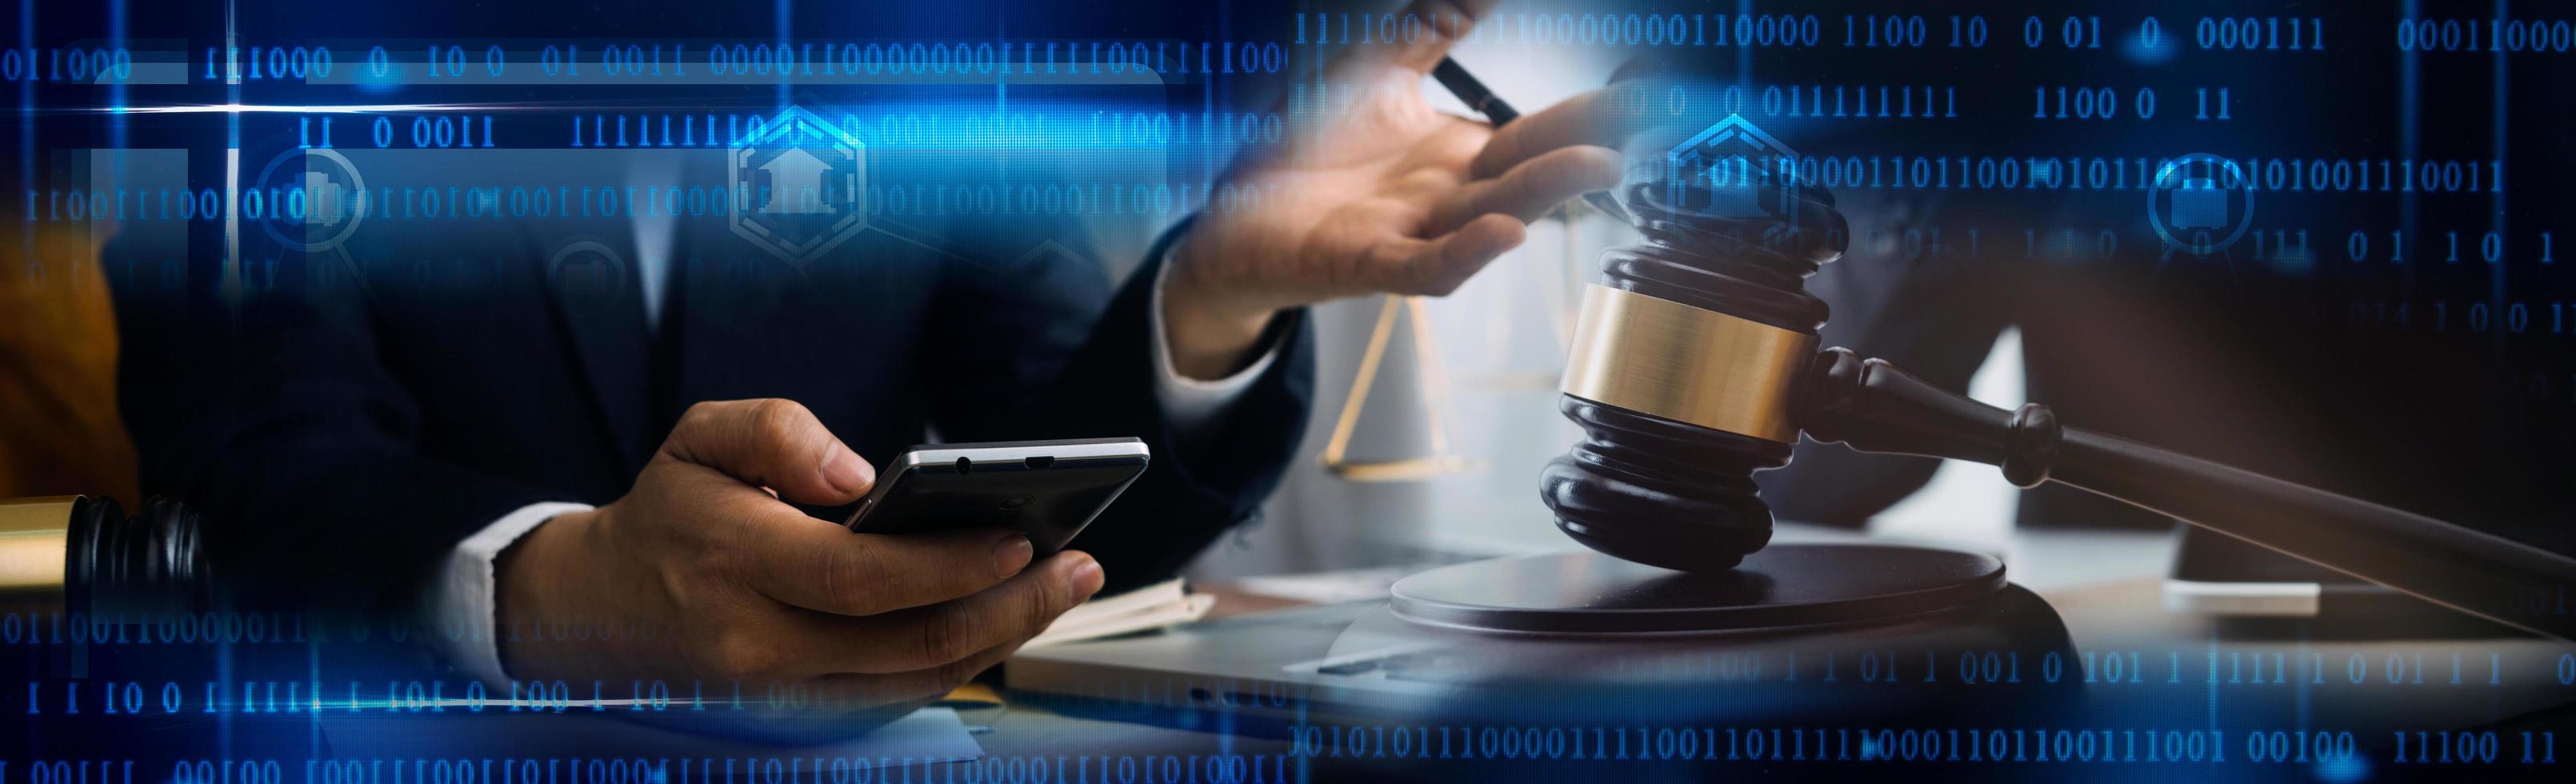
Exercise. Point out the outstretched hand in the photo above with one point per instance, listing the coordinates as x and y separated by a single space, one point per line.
1375 192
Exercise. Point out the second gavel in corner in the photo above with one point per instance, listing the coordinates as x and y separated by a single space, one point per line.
1695 364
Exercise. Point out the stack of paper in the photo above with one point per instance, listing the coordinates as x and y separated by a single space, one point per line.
1151 607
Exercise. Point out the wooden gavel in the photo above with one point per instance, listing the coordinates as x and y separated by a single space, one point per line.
82 554
1695 364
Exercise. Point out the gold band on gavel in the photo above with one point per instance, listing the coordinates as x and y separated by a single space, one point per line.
35 533
1692 365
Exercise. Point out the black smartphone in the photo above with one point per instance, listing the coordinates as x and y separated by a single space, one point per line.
1047 490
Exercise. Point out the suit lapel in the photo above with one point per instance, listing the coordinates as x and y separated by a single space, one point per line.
596 287
737 318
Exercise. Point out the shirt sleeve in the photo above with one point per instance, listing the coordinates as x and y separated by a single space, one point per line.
461 597
1190 404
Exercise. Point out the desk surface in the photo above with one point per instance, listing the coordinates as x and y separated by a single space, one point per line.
2176 672
2107 586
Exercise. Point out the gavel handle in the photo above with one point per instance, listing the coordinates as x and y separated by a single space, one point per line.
1875 407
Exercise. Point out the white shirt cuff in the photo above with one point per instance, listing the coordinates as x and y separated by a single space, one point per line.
462 600
1189 403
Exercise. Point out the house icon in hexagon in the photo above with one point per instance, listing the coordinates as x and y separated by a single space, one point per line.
796 184
797 187
1743 172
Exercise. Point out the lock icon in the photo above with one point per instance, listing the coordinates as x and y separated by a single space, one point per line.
2200 204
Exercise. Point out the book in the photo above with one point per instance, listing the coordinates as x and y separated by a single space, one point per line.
1162 604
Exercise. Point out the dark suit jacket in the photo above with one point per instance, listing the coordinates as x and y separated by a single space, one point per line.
363 414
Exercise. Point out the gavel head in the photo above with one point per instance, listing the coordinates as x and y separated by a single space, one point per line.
1684 367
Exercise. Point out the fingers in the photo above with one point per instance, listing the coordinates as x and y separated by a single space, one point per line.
945 634
816 565
1424 31
771 443
1529 190
1605 118
1436 267
915 686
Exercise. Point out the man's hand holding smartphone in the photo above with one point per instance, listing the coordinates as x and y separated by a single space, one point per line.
727 583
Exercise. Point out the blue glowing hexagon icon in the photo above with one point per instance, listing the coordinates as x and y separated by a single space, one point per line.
798 186
1734 170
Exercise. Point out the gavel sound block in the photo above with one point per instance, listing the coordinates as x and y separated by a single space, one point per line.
1696 364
